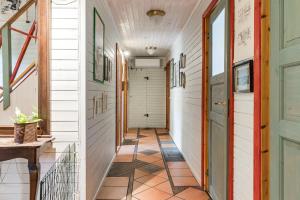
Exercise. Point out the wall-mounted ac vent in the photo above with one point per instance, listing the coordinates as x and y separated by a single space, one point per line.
147 63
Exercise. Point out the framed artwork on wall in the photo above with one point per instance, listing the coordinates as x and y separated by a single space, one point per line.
243 77
172 74
110 71
182 79
107 69
177 74
106 63
98 48
182 62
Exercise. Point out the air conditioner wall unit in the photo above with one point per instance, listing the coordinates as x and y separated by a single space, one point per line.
147 63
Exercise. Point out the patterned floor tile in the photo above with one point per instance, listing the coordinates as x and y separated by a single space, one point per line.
178 165
185 181
193 194
150 168
159 163
139 187
129 142
139 171
151 180
123 158
162 173
175 198
116 181
120 170
165 187
148 159
112 193
149 152
152 194
181 172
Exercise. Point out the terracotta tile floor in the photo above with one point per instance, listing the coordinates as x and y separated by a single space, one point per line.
141 172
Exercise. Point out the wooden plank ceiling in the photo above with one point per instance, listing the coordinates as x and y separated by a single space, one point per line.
139 31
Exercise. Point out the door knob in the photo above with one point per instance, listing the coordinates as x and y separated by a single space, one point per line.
220 103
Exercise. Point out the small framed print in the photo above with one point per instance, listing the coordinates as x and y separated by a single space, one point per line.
105 67
110 71
182 62
182 79
172 74
243 77
177 74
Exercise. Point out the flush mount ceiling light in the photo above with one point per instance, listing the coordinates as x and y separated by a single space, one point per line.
153 13
151 50
156 15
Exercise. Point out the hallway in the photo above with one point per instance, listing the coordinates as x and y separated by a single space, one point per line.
150 167
149 100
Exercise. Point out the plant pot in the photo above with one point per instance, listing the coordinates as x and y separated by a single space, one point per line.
25 133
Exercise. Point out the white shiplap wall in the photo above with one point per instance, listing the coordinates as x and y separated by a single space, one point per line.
65 66
64 71
185 114
243 146
100 135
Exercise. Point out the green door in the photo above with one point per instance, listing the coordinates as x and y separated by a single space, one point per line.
285 99
218 97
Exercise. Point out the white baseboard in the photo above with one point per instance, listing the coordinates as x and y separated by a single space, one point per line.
102 181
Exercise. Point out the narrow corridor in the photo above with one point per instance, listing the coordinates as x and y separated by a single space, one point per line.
150 167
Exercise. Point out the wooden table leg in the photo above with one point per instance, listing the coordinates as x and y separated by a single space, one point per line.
33 176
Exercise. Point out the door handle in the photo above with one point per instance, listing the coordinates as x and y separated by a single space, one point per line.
146 115
220 103
147 78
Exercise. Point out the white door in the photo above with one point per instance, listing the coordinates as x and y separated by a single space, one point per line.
156 98
147 98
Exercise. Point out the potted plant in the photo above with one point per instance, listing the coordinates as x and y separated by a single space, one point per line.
25 127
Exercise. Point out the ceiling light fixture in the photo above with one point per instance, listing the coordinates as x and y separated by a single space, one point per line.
151 50
156 15
152 13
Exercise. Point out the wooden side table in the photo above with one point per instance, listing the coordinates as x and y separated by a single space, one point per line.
30 151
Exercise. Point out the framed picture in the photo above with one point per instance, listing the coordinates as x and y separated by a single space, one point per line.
243 77
177 74
182 79
172 74
110 71
98 48
182 62
106 64
104 102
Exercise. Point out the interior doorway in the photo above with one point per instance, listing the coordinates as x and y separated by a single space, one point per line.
168 88
215 99
147 98
119 98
